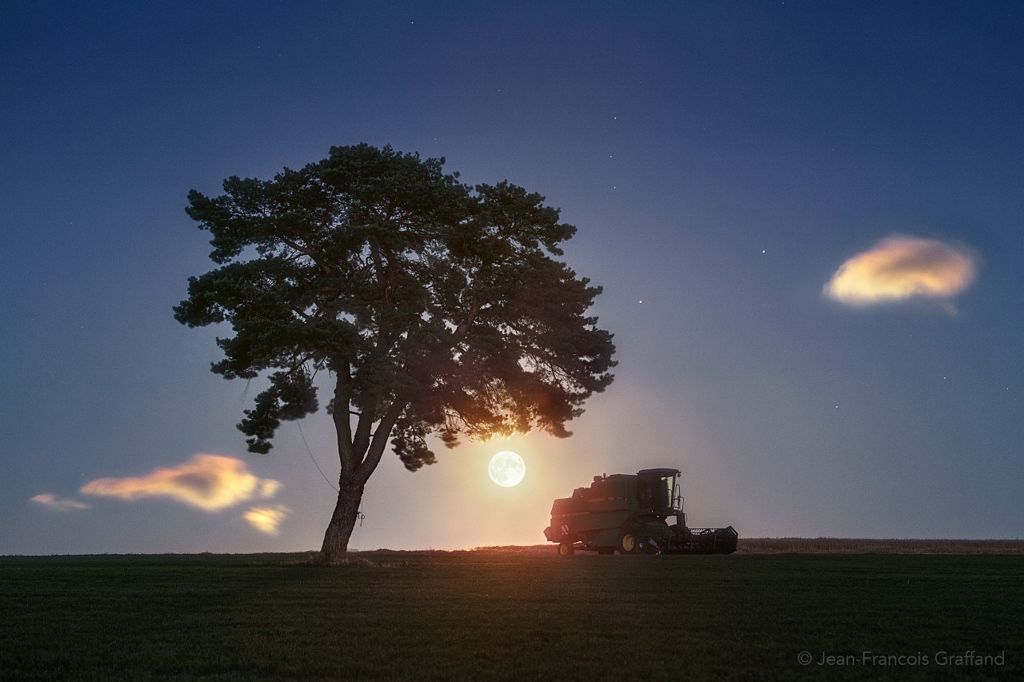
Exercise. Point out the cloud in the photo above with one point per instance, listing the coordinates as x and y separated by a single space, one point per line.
61 504
266 519
899 268
210 482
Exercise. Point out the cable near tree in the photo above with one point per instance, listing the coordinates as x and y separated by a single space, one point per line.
439 309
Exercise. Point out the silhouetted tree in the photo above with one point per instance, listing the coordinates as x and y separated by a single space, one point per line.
437 308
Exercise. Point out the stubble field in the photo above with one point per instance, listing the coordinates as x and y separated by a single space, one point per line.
508 614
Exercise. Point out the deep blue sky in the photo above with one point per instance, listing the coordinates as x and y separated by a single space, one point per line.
721 161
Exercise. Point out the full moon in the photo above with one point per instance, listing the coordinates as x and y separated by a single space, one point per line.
506 468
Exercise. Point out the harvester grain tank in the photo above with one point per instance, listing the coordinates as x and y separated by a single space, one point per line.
628 513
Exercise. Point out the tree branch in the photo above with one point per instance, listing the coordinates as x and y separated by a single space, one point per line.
298 247
301 314
474 308
362 437
342 397
380 440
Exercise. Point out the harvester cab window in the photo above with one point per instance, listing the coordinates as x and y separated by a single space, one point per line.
670 487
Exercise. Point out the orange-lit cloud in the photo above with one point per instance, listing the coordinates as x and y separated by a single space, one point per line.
62 504
900 268
210 482
266 519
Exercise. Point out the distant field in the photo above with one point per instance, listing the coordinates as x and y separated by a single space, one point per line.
510 614
871 546
841 546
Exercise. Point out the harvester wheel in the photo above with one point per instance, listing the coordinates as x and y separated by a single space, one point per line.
565 549
628 543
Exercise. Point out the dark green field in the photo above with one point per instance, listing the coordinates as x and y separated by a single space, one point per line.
479 615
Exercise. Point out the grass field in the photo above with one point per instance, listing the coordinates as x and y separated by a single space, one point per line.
493 614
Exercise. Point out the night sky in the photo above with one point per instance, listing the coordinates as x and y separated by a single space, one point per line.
807 218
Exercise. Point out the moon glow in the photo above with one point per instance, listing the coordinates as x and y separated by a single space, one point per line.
506 469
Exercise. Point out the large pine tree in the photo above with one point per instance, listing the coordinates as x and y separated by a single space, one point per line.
438 309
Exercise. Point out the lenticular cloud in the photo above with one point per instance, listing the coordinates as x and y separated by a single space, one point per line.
266 519
210 482
61 504
900 268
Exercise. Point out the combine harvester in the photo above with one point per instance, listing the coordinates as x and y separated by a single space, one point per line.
627 513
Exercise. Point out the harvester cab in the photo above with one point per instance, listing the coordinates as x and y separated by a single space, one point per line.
659 490
629 513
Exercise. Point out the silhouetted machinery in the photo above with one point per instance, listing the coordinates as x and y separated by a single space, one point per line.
628 513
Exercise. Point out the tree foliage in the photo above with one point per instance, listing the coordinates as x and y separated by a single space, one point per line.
439 308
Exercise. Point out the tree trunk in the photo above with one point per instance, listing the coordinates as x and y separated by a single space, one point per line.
359 454
339 530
